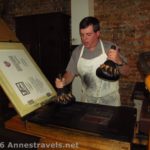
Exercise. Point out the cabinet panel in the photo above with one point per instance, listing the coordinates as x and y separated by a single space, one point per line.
27 32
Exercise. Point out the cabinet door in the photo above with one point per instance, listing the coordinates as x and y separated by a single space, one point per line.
47 37
54 38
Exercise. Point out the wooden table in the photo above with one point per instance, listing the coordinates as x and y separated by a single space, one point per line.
60 138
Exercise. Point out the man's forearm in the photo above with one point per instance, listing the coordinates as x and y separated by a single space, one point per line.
124 70
68 76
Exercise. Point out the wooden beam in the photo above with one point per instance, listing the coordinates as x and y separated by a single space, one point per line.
5 32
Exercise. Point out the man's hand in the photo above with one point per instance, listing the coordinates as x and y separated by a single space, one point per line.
114 56
60 83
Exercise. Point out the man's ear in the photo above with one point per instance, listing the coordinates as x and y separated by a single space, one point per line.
98 33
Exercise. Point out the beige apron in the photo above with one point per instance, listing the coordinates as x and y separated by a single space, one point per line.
94 89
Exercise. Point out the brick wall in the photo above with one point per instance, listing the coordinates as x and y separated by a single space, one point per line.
13 8
125 22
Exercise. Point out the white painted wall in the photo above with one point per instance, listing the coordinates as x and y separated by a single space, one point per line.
79 10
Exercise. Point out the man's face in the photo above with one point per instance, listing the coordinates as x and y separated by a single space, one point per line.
89 38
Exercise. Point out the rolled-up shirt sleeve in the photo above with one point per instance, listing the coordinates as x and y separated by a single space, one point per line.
72 65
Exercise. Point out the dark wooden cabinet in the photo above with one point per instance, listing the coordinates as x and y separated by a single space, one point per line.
47 38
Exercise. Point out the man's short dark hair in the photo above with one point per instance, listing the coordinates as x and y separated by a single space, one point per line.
85 22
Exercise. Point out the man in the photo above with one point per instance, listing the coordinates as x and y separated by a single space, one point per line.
86 58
